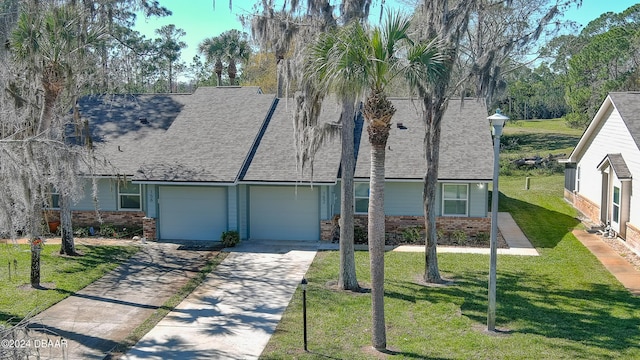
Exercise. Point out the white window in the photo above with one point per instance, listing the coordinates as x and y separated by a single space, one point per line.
615 217
455 198
129 196
361 197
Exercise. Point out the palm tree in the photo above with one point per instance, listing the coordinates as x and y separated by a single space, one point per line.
354 60
213 51
230 47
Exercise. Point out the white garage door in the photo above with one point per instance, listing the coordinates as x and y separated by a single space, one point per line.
192 213
278 213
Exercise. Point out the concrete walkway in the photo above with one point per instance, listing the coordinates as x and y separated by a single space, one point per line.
628 276
235 311
95 319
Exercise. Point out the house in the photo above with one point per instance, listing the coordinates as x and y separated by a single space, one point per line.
599 171
223 158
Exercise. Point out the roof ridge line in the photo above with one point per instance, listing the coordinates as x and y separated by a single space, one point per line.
256 141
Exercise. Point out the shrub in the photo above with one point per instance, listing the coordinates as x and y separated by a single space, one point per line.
230 238
107 230
482 238
459 236
412 234
360 235
80 231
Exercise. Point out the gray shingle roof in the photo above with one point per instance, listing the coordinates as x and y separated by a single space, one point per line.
275 159
466 151
628 105
117 131
618 164
211 138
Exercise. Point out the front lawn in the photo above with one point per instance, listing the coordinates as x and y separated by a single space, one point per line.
63 275
560 305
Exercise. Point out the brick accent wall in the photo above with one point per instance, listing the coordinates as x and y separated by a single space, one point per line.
587 207
90 218
395 225
633 237
568 195
149 228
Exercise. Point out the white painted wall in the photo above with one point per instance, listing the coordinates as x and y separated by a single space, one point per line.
611 137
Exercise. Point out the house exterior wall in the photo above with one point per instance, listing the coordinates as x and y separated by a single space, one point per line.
243 211
107 196
612 136
633 237
403 209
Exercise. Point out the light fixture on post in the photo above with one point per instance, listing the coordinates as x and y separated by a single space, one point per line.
497 121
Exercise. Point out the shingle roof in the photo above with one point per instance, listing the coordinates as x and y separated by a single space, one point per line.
211 138
618 164
124 127
275 161
465 149
628 105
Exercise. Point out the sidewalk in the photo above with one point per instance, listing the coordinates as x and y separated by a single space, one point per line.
612 261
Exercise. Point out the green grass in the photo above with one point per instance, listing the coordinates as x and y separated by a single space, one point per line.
560 305
530 138
68 274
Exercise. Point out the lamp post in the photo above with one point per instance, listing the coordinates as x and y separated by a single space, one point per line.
303 285
496 120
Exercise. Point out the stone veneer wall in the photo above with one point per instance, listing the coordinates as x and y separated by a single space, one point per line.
90 218
587 207
633 237
396 224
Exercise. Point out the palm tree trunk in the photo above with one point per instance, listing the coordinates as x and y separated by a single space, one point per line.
347 279
376 230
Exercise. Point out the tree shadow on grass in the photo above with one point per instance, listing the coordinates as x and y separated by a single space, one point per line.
596 315
543 227
531 141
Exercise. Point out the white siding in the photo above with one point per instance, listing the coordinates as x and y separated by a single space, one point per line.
612 137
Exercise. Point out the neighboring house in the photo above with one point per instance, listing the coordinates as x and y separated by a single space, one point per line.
599 176
223 158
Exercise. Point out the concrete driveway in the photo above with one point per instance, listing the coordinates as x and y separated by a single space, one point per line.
235 311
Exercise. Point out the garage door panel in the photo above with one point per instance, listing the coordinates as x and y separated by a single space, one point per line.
279 213
192 213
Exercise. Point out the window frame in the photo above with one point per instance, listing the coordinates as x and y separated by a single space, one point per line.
615 205
445 199
54 198
121 194
356 197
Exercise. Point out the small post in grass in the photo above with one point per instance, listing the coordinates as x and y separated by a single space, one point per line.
303 284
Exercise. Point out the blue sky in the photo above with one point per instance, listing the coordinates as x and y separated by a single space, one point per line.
200 20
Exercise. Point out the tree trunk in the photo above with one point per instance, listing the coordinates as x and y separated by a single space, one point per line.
347 279
218 70
376 231
35 265
432 140
67 245
432 145
232 71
